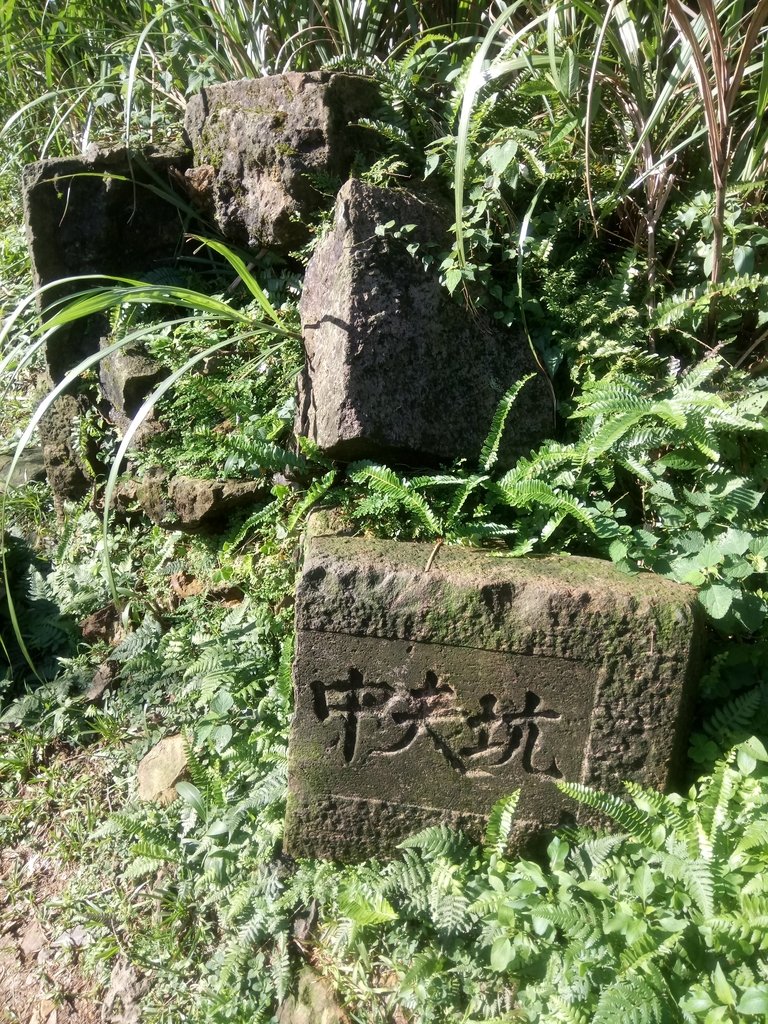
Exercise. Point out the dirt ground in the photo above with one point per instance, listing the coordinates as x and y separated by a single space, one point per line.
40 981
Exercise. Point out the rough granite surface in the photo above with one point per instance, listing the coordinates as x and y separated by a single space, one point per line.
99 213
395 367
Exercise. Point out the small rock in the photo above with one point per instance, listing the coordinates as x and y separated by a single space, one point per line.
185 585
103 679
101 625
314 1003
161 769
230 597
122 1001
33 940
74 938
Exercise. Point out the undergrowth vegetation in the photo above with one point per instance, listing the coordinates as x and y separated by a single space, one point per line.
607 165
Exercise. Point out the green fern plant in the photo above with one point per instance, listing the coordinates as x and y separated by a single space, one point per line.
663 920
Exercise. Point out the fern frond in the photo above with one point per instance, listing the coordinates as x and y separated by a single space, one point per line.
713 808
536 493
450 912
597 851
754 837
489 453
437 841
732 721
386 482
566 1013
628 816
500 823
631 1001
696 375
316 491
746 927
664 807
696 876
577 922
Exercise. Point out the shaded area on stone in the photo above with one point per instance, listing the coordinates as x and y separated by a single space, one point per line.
82 217
424 697
272 146
315 1002
395 367
30 467
68 473
127 378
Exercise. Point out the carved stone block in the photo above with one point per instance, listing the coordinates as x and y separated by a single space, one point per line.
396 368
425 696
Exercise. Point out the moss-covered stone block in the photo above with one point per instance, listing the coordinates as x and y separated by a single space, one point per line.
426 695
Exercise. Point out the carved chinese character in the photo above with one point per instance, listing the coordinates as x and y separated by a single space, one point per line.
500 735
376 718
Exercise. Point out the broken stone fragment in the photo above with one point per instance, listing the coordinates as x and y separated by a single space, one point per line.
192 503
127 378
270 147
103 680
426 696
396 368
161 769
33 940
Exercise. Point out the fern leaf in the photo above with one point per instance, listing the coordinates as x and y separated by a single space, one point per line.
664 807
754 837
696 876
365 909
631 1001
731 722
500 823
490 450
611 433
317 491
450 912
437 841
713 808
383 480
537 493
629 817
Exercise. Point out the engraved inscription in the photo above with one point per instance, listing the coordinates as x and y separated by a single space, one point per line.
376 718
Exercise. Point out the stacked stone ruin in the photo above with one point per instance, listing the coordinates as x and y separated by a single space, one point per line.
427 685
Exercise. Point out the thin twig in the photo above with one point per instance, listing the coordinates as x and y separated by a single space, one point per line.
433 553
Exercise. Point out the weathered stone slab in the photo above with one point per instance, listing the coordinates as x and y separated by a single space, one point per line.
160 770
395 367
425 696
100 213
272 145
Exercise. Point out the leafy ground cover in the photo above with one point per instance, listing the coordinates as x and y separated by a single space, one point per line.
609 208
